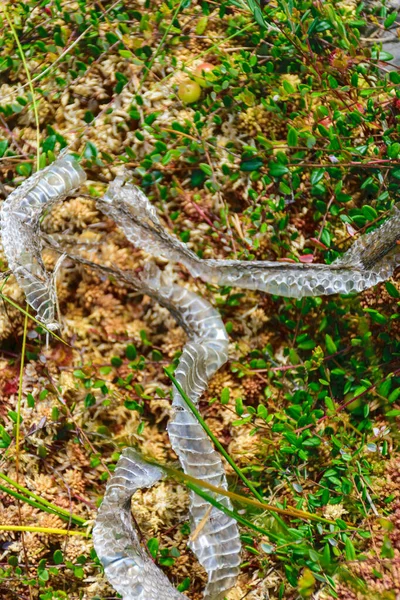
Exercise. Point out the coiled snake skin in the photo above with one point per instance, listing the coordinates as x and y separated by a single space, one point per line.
371 259
217 545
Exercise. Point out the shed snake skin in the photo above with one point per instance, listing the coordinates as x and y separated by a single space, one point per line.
371 259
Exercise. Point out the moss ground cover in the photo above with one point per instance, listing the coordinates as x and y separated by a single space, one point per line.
259 131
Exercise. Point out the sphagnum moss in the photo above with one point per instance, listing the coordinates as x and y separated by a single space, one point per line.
321 186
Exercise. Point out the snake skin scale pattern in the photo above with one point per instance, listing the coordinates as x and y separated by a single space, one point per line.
129 568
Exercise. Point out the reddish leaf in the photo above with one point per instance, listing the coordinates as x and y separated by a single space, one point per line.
350 230
318 243
306 258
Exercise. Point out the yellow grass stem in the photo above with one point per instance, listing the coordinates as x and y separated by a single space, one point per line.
48 530
291 511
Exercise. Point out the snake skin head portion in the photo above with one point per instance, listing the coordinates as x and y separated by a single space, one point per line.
136 216
370 260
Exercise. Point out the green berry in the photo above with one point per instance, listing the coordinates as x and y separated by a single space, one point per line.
189 91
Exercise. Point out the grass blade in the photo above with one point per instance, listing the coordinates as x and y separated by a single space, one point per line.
31 88
24 312
210 434
288 512
38 502
47 530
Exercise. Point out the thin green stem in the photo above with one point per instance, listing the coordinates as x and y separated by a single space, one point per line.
18 496
26 313
210 434
32 89
231 513
42 502
160 45
19 400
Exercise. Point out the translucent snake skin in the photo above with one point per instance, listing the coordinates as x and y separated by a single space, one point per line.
371 259
20 217
216 544
127 565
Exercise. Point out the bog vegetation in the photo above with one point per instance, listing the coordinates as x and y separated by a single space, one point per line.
259 131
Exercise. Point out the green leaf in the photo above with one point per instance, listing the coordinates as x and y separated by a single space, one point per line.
390 19
393 413
323 130
201 25
394 395
287 86
30 401
184 585
133 405
307 345
381 55
90 151
376 316
167 561
326 237
79 572
105 370
277 169
185 236
251 165
394 77
316 176
333 83
89 401
393 150
58 557
255 8
131 352
116 361
24 169
292 137
239 408
392 290
206 168
330 344
153 546
80 374
370 212
3 147
125 53
350 552
225 395
156 355
43 575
